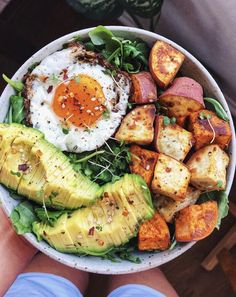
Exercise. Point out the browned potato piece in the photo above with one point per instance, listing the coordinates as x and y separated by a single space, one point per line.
137 125
154 234
171 139
208 128
196 222
183 97
143 162
167 207
143 88
171 178
208 168
164 63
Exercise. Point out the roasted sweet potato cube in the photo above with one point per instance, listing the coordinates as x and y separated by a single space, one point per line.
183 97
208 128
208 168
143 162
171 139
154 234
144 89
167 207
171 178
164 63
181 121
196 222
137 125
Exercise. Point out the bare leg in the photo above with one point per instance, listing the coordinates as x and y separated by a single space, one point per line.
42 263
15 253
153 278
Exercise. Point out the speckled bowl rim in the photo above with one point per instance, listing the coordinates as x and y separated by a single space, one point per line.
149 260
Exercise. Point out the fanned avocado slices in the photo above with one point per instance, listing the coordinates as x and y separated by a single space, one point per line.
112 221
38 170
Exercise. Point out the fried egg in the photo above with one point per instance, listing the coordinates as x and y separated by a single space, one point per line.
74 99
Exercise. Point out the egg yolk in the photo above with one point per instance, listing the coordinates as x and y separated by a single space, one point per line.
79 101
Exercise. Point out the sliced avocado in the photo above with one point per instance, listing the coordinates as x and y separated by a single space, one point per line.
7 135
16 163
50 179
112 221
64 187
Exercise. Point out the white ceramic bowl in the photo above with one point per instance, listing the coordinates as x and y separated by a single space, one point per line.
191 68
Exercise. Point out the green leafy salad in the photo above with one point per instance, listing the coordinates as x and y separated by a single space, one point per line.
111 153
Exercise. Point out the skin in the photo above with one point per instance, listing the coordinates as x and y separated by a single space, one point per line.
18 256
153 278
15 253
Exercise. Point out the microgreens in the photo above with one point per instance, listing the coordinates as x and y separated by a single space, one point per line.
106 114
65 130
18 174
108 164
16 84
219 183
167 121
131 56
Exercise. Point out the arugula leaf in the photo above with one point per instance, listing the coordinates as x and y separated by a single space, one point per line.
100 35
16 84
218 108
50 217
131 56
17 105
223 207
22 217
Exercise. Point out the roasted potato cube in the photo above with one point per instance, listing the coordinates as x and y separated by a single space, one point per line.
154 234
171 139
183 97
208 168
137 125
167 207
207 128
164 63
143 162
171 178
196 222
143 88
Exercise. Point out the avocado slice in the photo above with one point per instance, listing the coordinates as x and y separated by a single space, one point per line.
16 163
112 221
7 135
50 179
64 187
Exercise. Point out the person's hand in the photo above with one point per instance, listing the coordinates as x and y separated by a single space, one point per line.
15 253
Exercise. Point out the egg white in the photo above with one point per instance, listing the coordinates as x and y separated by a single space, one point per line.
78 139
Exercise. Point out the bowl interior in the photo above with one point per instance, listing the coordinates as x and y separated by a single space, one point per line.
191 68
